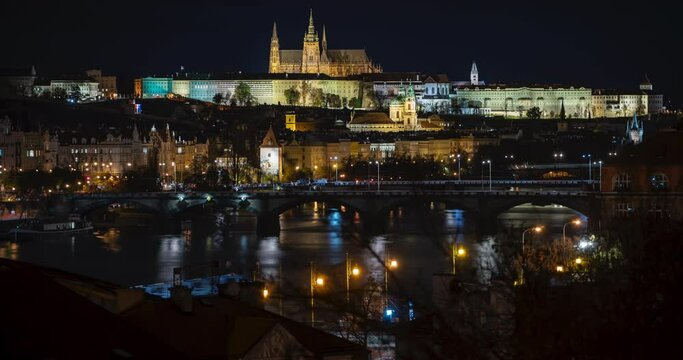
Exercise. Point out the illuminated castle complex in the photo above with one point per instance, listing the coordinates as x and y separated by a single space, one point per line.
316 58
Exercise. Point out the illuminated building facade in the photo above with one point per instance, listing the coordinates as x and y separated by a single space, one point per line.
316 58
402 116
116 153
515 101
321 156
265 88
107 83
579 102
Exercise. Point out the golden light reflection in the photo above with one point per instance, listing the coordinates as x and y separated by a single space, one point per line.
9 250
110 240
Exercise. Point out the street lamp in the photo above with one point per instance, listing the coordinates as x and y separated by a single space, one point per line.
388 264
590 168
459 176
350 271
600 176
536 229
175 177
576 222
377 162
456 252
482 169
316 281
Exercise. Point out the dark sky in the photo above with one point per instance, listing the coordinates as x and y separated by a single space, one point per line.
598 43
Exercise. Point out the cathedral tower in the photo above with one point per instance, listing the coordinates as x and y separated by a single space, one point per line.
274 63
310 57
474 74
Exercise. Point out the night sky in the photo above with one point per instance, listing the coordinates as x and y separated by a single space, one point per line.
573 42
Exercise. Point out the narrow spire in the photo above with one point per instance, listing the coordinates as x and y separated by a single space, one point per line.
474 68
311 35
311 28
324 39
274 37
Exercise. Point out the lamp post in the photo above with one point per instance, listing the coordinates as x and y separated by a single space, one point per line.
576 222
536 229
455 252
175 176
482 171
600 175
590 168
350 271
336 173
377 162
388 263
459 177
315 282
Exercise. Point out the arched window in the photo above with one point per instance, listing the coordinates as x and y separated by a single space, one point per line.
659 182
621 182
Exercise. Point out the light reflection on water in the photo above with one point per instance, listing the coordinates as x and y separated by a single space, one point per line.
420 239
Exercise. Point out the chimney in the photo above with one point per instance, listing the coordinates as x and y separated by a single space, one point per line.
180 295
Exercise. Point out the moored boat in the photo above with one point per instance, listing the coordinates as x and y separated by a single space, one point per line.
71 226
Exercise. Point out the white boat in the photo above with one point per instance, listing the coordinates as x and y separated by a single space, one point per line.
43 227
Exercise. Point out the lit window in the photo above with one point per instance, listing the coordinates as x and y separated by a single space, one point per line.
622 182
659 182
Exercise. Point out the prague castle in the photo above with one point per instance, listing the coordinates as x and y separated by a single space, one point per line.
316 58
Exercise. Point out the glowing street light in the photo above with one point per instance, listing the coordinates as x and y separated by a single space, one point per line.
456 252
315 281
575 222
388 264
350 271
265 293
536 229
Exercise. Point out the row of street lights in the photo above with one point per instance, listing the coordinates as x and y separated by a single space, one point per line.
317 280
538 229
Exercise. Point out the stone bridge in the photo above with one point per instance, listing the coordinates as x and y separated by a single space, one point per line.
373 206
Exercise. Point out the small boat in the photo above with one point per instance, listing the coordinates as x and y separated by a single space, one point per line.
71 226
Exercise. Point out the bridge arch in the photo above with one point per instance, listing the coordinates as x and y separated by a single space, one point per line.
580 206
89 207
281 208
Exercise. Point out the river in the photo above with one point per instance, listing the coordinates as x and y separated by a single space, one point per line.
418 238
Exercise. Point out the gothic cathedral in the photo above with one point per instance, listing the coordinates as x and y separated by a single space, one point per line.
317 59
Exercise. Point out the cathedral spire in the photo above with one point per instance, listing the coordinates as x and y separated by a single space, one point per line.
311 27
324 39
274 37
311 35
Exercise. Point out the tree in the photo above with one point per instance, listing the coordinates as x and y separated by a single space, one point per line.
218 99
292 95
76 94
317 97
371 99
46 94
534 113
562 114
243 94
355 103
59 94
333 101
305 91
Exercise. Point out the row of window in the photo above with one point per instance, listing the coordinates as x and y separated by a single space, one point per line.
626 209
657 182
